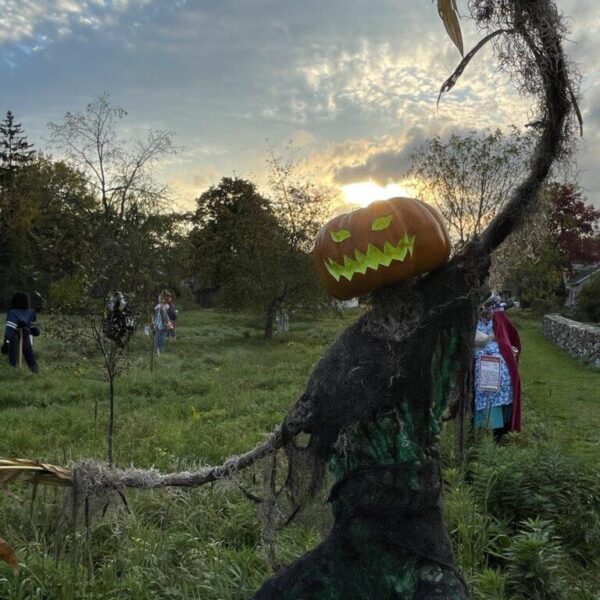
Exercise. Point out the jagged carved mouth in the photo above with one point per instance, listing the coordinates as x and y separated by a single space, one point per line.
373 258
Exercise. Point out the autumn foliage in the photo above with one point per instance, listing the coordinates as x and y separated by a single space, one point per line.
576 226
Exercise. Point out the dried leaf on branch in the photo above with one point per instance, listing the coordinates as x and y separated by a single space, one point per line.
449 15
32 471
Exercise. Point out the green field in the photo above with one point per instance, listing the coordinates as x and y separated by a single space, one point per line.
215 392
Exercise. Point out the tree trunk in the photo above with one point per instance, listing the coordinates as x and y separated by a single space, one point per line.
269 320
111 417
272 310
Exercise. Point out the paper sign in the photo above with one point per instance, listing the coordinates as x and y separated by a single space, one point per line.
489 373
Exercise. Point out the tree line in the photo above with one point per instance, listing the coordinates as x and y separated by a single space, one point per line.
76 228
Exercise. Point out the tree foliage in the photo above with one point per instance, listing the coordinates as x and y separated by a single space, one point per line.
254 249
75 229
588 302
17 209
469 177
15 150
576 225
536 259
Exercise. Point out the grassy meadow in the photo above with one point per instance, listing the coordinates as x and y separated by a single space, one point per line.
215 392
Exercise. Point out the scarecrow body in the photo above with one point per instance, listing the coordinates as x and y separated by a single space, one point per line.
118 323
373 409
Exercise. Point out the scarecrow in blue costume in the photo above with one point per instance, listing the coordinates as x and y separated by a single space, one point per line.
20 329
497 345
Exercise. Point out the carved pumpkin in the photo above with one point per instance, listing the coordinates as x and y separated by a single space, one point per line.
388 241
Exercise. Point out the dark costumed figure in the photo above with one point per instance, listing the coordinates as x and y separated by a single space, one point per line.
118 323
373 406
20 330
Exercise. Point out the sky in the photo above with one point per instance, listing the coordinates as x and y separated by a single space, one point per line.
352 84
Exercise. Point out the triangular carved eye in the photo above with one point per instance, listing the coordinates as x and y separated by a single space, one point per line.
340 235
381 223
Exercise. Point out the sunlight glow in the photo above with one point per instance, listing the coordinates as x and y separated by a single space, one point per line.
365 192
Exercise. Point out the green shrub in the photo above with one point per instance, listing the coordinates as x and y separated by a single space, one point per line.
68 292
524 519
588 302
489 584
476 535
536 563
541 481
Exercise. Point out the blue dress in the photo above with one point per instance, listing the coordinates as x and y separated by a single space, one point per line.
492 408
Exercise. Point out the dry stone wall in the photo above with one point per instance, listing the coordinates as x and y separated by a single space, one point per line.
578 339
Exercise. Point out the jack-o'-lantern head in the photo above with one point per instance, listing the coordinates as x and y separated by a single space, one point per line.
388 241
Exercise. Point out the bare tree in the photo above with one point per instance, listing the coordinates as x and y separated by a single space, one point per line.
300 205
117 171
102 340
469 177
111 360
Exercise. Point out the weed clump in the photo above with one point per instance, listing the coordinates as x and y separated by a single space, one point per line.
525 520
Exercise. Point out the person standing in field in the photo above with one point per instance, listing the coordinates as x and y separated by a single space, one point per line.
20 329
497 382
172 313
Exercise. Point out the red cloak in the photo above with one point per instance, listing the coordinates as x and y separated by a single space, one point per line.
508 338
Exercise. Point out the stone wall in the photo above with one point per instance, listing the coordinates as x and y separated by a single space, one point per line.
580 340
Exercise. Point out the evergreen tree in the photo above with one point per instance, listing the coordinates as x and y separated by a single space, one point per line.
15 150
17 208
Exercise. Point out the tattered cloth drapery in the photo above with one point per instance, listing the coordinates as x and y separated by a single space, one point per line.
374 405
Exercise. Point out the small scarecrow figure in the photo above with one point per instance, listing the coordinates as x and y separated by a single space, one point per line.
20 329
497 393
118 323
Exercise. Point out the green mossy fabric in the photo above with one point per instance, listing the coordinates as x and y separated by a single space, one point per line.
372 412
388 539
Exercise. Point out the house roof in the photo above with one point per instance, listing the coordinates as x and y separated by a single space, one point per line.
584 274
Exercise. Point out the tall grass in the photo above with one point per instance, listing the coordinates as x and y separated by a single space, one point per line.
216 391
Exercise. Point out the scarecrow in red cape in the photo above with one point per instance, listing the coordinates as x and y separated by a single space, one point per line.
497 393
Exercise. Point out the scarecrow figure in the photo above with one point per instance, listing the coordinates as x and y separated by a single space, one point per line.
373 408
118 323
497 389
20 330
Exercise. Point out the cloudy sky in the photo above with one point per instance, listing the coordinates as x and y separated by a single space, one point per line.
353 83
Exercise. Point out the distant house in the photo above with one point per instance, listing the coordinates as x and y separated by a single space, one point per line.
582 276
204 295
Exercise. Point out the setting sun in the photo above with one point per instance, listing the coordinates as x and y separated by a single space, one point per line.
368 191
